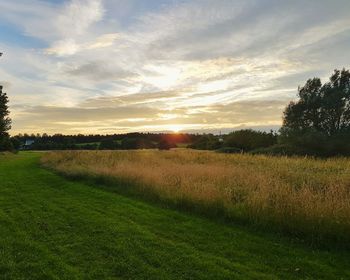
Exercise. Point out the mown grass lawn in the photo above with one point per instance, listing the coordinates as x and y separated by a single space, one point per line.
52 228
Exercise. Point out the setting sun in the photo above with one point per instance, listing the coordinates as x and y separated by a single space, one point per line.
175 128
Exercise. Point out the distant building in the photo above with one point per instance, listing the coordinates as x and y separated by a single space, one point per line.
28 144
221 139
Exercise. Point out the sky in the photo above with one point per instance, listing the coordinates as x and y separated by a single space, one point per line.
116 66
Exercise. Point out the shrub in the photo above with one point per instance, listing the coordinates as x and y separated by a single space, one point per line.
316 143
137 143
248 139
6 144
229 150
165 145
279 150
108 144
206 142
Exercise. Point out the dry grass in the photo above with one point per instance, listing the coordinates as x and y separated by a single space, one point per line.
298 195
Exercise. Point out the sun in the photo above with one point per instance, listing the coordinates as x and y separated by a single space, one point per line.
175 128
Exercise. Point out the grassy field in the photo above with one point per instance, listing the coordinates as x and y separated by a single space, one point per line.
51 228
301 196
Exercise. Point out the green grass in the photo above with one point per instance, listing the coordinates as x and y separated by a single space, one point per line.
52 228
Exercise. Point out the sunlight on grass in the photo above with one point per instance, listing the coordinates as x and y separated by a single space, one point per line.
297 195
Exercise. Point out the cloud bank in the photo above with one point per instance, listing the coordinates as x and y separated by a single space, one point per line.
105 66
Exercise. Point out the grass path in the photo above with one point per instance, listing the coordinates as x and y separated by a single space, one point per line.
51 228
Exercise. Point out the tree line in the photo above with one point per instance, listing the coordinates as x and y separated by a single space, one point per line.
317 123
103 142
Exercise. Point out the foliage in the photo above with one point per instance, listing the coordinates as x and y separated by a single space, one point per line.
279 150
319 121
5 122
229 150
136 143
206 142
165 144
248 139
108 144
324 108
16 144
54 143
91 146
5 144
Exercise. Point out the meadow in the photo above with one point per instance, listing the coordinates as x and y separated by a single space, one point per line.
55 228
305 197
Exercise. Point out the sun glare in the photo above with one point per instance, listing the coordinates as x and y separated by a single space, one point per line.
175 128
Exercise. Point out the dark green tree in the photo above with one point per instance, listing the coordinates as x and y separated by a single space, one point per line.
206 142
248 139
108 144
324 108
5 122
165 145
319 121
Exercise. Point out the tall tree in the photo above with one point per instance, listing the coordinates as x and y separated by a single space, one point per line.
324 108
5 121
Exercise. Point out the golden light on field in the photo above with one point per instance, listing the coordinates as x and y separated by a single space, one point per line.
303 195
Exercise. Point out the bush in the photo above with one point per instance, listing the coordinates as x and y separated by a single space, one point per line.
279 150
108 144
137 143
206 142
6 144
228 150
248 139
88 147
16 144
165 145
316 143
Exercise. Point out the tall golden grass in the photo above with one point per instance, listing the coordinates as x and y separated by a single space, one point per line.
299 195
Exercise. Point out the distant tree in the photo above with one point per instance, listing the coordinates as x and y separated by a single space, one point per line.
135 142
324 108
5 122
16 143
108 144
165 144
319 121
206 142
248 139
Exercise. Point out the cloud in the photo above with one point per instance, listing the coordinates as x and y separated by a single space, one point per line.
77 16
201 64
67 47
63 47
97 71
33 17
105 40
73 21
111 115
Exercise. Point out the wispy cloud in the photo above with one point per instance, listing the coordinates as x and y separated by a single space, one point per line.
201 64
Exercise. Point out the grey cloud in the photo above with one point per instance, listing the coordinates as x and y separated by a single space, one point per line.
43 118
129 99
260 28
98 71
78 114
